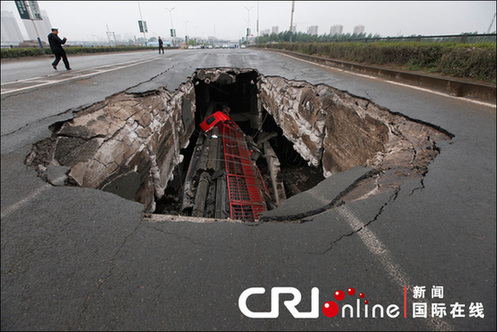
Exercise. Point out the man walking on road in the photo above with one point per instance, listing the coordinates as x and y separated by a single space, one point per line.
161 47
57 49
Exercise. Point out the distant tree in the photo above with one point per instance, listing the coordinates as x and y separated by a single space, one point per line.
301 37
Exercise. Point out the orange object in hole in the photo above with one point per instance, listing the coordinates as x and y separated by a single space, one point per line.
212 120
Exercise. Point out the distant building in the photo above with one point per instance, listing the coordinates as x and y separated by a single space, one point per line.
265 32
359 29
275 29
43 26
11 34
312 30
336 30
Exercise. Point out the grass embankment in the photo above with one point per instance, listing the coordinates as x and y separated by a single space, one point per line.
476 61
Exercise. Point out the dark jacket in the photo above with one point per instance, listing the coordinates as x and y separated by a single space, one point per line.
160 42
56 43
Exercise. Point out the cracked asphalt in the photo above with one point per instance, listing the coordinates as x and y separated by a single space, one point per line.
83 259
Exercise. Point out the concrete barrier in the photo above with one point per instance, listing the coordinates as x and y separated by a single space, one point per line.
458 87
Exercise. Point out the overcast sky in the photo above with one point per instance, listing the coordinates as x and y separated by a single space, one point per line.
88 20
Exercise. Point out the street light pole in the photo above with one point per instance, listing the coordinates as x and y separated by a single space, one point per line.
186 32
257 19
108 37
143 23
172 27
291 21
34 26
248 22
196 40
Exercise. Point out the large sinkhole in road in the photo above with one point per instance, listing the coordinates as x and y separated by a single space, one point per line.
231 143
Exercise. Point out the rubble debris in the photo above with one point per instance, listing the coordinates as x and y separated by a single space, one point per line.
320 197
275 173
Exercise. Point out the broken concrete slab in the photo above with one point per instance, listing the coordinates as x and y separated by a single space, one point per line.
125 185
57 175
319 198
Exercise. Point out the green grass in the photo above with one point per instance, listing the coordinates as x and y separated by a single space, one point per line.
454 59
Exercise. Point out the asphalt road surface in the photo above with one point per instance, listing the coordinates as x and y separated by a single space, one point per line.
83 259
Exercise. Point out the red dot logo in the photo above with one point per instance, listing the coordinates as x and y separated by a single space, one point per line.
330 309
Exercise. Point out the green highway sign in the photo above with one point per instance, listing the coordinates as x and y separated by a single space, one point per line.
23 10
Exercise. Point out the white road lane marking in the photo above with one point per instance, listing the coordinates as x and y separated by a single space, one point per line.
16 206
95 71
382 254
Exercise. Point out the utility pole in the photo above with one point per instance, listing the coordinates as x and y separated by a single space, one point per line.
186 33
291 21
172 27
34 26
248 22
108 35
113 34
143 23
491 23
257 19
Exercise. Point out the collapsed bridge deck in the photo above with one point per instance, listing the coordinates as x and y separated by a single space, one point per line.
148 147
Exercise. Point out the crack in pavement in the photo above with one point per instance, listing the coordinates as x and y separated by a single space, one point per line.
381 253
422 182
79 108
39 120
101 282
178 236
147 81
392 198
